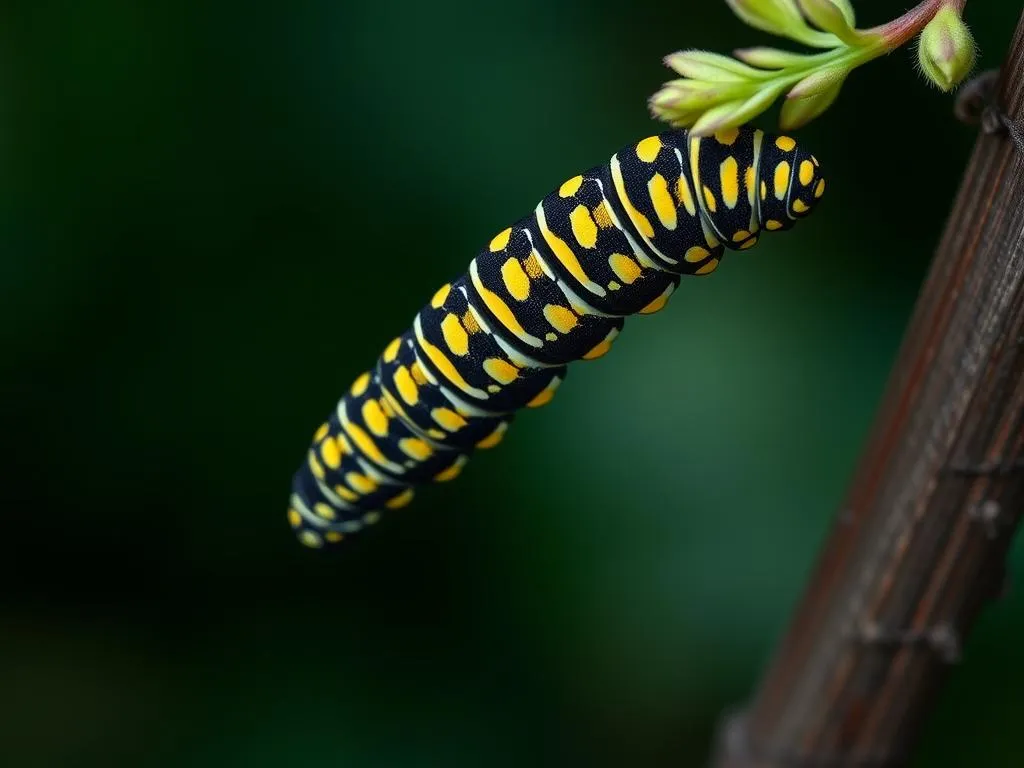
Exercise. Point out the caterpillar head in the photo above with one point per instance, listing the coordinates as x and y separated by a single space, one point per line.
790 185
748 181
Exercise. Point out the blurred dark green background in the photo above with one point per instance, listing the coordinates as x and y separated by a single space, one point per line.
214 215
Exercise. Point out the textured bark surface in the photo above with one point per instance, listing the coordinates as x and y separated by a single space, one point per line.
920 544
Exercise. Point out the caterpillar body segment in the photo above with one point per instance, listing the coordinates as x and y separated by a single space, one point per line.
553 288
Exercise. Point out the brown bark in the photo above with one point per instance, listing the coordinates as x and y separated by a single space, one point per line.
920 544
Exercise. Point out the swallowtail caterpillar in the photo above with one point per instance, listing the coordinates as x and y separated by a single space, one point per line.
552 288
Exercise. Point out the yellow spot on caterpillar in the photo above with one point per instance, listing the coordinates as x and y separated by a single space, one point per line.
452 471
361 483
333 536
294 518
648 149
806 172
820 189
772 225
764 190
560 318
393 407
696 254
501 311
740 236
551 336
781 179
532 265
565 255
324 511
448 419
708 268
500 370
330 453
359 385
749 244
624 268
469 322
315 468
785 143
436 434
445 366
545 396
391 350
583 227
600 350
709 198
406 387
727 136
311 539
495 437
748 180
655 306
684 196
664 206
571 187
800 206
493 389
613 286
401 500
601 216
365 444
415 448
346 493
441 296
417 375
729 175
455 335
321 433
500 240
640 221
375 418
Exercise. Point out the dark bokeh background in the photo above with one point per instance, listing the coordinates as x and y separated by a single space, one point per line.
213 216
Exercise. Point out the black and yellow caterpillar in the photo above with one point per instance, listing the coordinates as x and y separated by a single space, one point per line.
550 289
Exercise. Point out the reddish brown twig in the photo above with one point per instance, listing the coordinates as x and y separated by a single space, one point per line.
920 543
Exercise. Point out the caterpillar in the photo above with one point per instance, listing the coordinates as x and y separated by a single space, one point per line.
552 288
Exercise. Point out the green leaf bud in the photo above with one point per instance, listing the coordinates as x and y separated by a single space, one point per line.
946 49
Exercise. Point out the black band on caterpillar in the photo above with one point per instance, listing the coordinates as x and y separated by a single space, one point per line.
551 289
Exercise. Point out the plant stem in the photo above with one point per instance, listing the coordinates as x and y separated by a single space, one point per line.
900 31
920 544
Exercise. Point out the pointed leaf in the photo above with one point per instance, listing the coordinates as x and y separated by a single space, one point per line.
703 65
715 119
825 15
819 81
680 97
768 15
783 18
736 113
799 112
771 58
847 10
693 67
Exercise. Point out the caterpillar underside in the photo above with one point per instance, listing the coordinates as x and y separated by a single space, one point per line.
552 288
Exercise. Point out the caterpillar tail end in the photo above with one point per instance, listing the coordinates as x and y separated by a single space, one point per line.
310 535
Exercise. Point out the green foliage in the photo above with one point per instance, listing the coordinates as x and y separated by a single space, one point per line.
716 92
